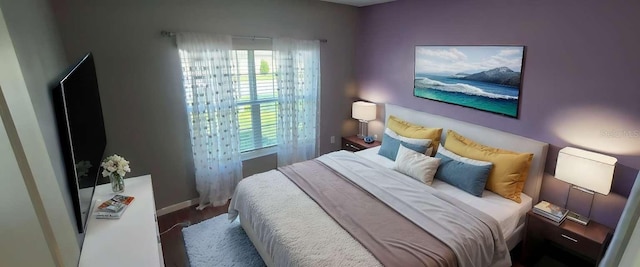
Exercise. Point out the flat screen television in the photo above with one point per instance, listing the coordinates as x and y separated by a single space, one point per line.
82 136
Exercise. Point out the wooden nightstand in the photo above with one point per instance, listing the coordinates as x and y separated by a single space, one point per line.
353 143
589 241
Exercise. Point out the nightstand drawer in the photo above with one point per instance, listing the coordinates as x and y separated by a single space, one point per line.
355 144
351 147
573 241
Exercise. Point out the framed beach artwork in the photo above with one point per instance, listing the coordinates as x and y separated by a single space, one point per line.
487 78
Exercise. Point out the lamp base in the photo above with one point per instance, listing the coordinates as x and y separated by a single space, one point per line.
364 129
584 220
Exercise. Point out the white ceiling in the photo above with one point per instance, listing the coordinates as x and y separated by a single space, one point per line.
359 3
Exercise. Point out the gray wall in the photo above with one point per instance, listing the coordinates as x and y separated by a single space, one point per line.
23 241
36 225
39 50
140 79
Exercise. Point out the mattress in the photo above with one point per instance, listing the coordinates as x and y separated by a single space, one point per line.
509 214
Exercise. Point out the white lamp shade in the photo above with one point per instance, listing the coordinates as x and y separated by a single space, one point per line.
364 111
586 169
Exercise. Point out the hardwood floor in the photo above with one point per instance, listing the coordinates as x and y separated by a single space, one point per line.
173 249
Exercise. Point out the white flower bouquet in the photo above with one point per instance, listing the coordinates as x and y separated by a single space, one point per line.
115 167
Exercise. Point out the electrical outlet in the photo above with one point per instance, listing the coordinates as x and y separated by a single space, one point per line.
375 137
333 139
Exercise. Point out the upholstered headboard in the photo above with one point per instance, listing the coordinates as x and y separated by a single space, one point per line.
483 135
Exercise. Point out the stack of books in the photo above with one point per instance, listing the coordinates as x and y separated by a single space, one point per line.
114 207
552 212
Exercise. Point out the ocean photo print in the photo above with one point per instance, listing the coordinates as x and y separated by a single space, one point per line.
487 78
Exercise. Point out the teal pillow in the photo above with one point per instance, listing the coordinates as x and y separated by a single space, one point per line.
390 146
468 177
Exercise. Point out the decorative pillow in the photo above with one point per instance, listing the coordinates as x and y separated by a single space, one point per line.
415 141
510 169
416 165
442 150
468 177
390 146
410 130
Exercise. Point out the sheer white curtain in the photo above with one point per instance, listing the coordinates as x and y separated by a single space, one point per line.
207 69
297 68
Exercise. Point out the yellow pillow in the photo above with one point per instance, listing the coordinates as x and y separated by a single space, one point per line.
510 169
410 130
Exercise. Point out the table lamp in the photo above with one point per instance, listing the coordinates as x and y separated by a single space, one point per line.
364 112
587 171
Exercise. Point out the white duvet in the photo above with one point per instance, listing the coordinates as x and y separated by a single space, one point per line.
293 229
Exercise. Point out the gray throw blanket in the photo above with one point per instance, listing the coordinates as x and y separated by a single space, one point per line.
391 238
474 237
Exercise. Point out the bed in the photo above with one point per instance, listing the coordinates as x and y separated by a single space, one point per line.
288 228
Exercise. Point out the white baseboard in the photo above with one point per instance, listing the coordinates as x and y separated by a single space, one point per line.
177 206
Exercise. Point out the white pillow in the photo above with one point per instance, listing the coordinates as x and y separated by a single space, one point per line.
416 165
413 141
457 157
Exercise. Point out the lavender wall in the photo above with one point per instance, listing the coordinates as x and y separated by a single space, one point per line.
580 85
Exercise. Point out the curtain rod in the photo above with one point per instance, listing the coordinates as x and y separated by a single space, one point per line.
173 34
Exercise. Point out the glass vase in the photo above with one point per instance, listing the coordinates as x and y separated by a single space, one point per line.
117 183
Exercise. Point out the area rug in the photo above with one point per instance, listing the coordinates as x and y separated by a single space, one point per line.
218 242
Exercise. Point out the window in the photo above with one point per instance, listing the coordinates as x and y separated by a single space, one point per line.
258 98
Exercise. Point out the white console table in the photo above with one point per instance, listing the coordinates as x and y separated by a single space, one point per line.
132 240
